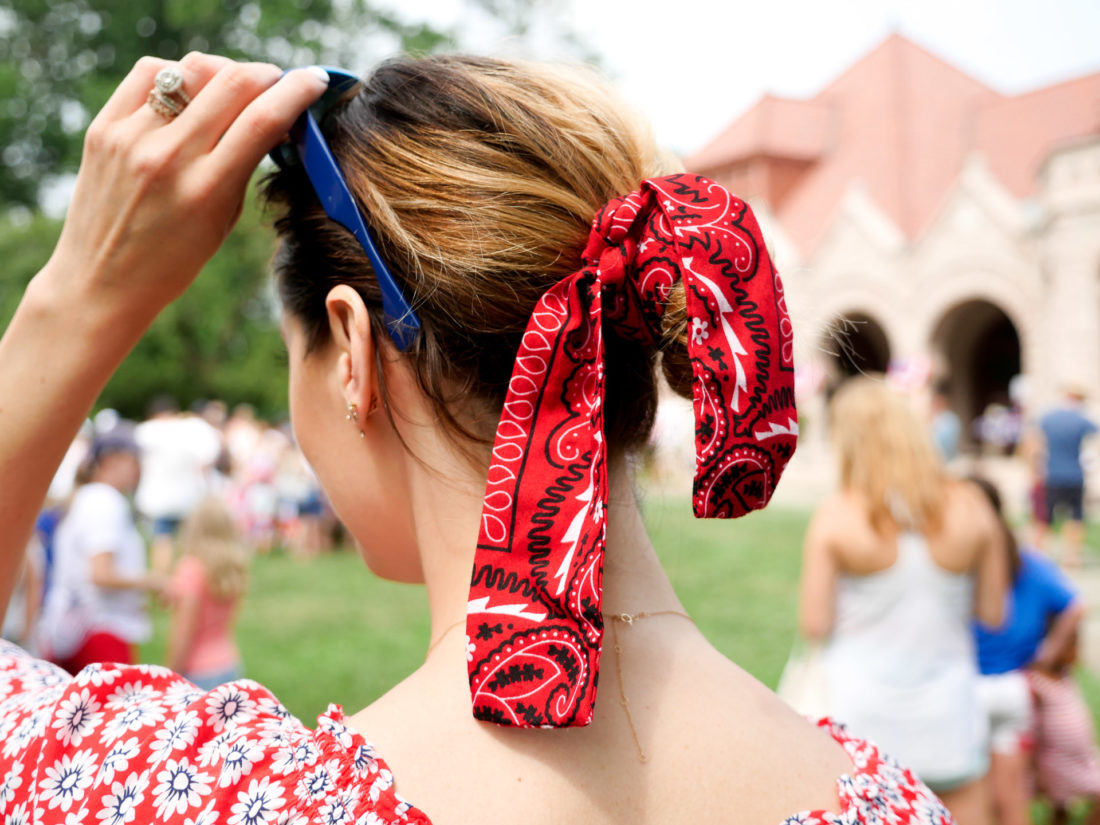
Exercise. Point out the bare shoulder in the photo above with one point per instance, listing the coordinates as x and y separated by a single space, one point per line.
763 759
836 513
967 512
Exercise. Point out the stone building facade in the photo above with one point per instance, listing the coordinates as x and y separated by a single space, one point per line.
931 227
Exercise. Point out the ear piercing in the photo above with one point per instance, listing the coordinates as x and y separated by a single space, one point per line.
353 413
353 416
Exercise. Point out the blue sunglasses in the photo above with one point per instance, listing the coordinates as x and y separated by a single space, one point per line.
308 146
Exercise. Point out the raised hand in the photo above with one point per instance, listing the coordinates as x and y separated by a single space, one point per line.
156 195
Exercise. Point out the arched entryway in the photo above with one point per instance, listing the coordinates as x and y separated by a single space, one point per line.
978 348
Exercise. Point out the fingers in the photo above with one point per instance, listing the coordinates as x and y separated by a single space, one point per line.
133 89
206 119
264 122
198 70
132 93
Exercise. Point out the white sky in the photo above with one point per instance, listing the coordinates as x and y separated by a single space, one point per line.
693 65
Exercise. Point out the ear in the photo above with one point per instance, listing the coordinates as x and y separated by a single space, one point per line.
350 328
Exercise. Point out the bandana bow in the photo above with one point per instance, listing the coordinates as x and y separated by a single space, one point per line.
534 620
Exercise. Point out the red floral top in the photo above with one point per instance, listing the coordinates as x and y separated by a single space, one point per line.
138 744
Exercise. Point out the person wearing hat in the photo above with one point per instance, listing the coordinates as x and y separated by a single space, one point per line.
96 611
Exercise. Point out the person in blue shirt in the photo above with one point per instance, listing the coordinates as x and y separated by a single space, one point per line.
1063 429
1042 614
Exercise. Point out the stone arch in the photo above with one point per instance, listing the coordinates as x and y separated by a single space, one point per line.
978 350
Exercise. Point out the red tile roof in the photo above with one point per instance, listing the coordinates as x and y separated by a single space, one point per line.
900 122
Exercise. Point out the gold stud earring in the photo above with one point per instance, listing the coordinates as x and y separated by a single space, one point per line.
353 412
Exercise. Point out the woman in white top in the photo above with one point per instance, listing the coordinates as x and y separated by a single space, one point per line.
896 563
96 609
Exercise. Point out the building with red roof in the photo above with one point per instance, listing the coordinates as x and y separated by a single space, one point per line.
932 227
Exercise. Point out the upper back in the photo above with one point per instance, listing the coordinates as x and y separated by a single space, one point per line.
860 550
732 752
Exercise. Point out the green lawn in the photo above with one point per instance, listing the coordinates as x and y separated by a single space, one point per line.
326 630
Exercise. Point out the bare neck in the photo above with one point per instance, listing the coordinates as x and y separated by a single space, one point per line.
447 511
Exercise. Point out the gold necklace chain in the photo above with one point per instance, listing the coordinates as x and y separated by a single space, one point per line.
628 619
616 619
442 636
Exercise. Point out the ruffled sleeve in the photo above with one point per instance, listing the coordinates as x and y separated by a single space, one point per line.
877 791
117 745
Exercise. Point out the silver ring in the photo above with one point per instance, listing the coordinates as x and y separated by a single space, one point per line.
167 96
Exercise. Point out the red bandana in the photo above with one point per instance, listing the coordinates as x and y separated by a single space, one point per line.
534 619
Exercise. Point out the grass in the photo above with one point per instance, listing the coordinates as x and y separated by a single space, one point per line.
326 630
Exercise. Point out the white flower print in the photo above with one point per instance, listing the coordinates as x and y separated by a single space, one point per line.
131 693
175 735
237 761
229 705
699 331
117 759
380 785
272 707
181 694
207 816
275 736
133 718
364 761
77 716
211 749
371 818
259 804
315 784
119 804
12 781
19 737
46 677
18 815
297 758
337 810
97 675
470 648
338 730
67 779
181 786
7 725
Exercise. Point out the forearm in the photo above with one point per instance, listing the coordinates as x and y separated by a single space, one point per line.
152 202
1061 637
55 357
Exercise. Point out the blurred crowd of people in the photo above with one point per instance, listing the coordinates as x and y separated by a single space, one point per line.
930 628
203 490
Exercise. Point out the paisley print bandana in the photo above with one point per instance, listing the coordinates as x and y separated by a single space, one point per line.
534 619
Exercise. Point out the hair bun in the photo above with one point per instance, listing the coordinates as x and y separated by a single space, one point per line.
675 361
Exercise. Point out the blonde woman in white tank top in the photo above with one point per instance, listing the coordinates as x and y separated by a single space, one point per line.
896 563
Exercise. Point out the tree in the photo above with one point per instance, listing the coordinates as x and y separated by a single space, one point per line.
220 340
60 60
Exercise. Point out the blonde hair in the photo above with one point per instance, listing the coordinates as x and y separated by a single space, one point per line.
210 535
480 179
887 455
